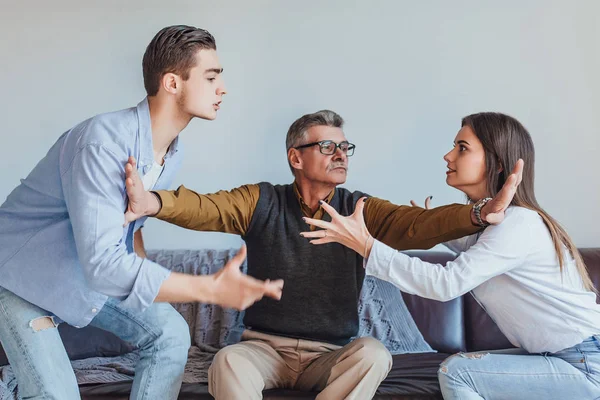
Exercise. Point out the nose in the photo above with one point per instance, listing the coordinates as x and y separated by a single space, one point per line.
339 155
448 156
221 90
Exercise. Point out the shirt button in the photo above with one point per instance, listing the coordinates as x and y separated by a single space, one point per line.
94 310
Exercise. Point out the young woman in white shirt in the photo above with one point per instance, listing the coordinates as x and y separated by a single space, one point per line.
525 272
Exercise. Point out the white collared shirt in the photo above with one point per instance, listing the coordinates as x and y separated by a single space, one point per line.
512 270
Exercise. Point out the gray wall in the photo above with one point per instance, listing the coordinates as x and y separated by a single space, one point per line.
402 73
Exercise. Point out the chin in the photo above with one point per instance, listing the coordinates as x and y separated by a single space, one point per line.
208 114
340 180
451 181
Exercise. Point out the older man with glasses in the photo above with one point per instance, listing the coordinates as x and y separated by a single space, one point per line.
304 340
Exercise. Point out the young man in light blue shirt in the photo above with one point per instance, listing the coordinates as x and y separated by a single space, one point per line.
66 256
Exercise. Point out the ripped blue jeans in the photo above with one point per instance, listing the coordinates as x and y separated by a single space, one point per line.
573 373
43 370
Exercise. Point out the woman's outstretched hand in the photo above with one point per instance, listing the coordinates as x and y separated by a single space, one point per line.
427 203
350 231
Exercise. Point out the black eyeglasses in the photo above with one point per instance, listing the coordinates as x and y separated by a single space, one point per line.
328 147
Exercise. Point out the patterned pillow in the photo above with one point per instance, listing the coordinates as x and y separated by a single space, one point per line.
384 316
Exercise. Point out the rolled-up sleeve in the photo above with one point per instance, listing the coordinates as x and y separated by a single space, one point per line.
94 191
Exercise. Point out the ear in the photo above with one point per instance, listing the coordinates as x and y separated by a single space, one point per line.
500 167
294 159
170 83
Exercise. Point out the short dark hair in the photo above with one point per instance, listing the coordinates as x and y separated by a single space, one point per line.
173 50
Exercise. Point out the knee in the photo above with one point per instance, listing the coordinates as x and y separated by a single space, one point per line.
234 374
228 359
374 353
174 336
449 366
456 364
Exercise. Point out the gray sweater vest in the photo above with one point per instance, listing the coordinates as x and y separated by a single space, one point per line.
322 282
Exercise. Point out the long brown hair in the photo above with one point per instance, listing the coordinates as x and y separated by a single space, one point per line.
505 140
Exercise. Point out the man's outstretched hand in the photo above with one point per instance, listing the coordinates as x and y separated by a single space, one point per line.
233 289
493 211
141 202
229 287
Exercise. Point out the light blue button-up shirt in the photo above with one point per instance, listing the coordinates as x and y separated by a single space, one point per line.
62 242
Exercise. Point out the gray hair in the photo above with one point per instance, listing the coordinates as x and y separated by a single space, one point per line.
298 130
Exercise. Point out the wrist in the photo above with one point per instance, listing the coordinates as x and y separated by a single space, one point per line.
474 218
479 212
368 247
154 204
204 289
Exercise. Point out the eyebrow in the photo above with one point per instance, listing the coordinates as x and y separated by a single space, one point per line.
215 70
463 142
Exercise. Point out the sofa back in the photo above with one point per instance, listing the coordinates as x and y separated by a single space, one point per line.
457 325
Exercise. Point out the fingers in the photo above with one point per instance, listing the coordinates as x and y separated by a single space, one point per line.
359 209
503 199
428 203
323 240
240 255
511 182
267 288
237 260
131 161
318 223
314 234
129 217
514 179
253 290
319 237
273 289
330 210
505 195
495 218
129 186
518 169
360 206
508 191
130 166
131 171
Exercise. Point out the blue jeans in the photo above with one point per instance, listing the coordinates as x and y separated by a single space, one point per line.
573 373
39 360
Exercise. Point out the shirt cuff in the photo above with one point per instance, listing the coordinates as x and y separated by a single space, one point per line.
380 258
146 286
464 218
166 204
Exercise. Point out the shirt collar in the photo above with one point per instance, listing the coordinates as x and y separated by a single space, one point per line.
145 133
305 208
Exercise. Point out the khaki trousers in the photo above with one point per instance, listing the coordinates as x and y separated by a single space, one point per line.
261 361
